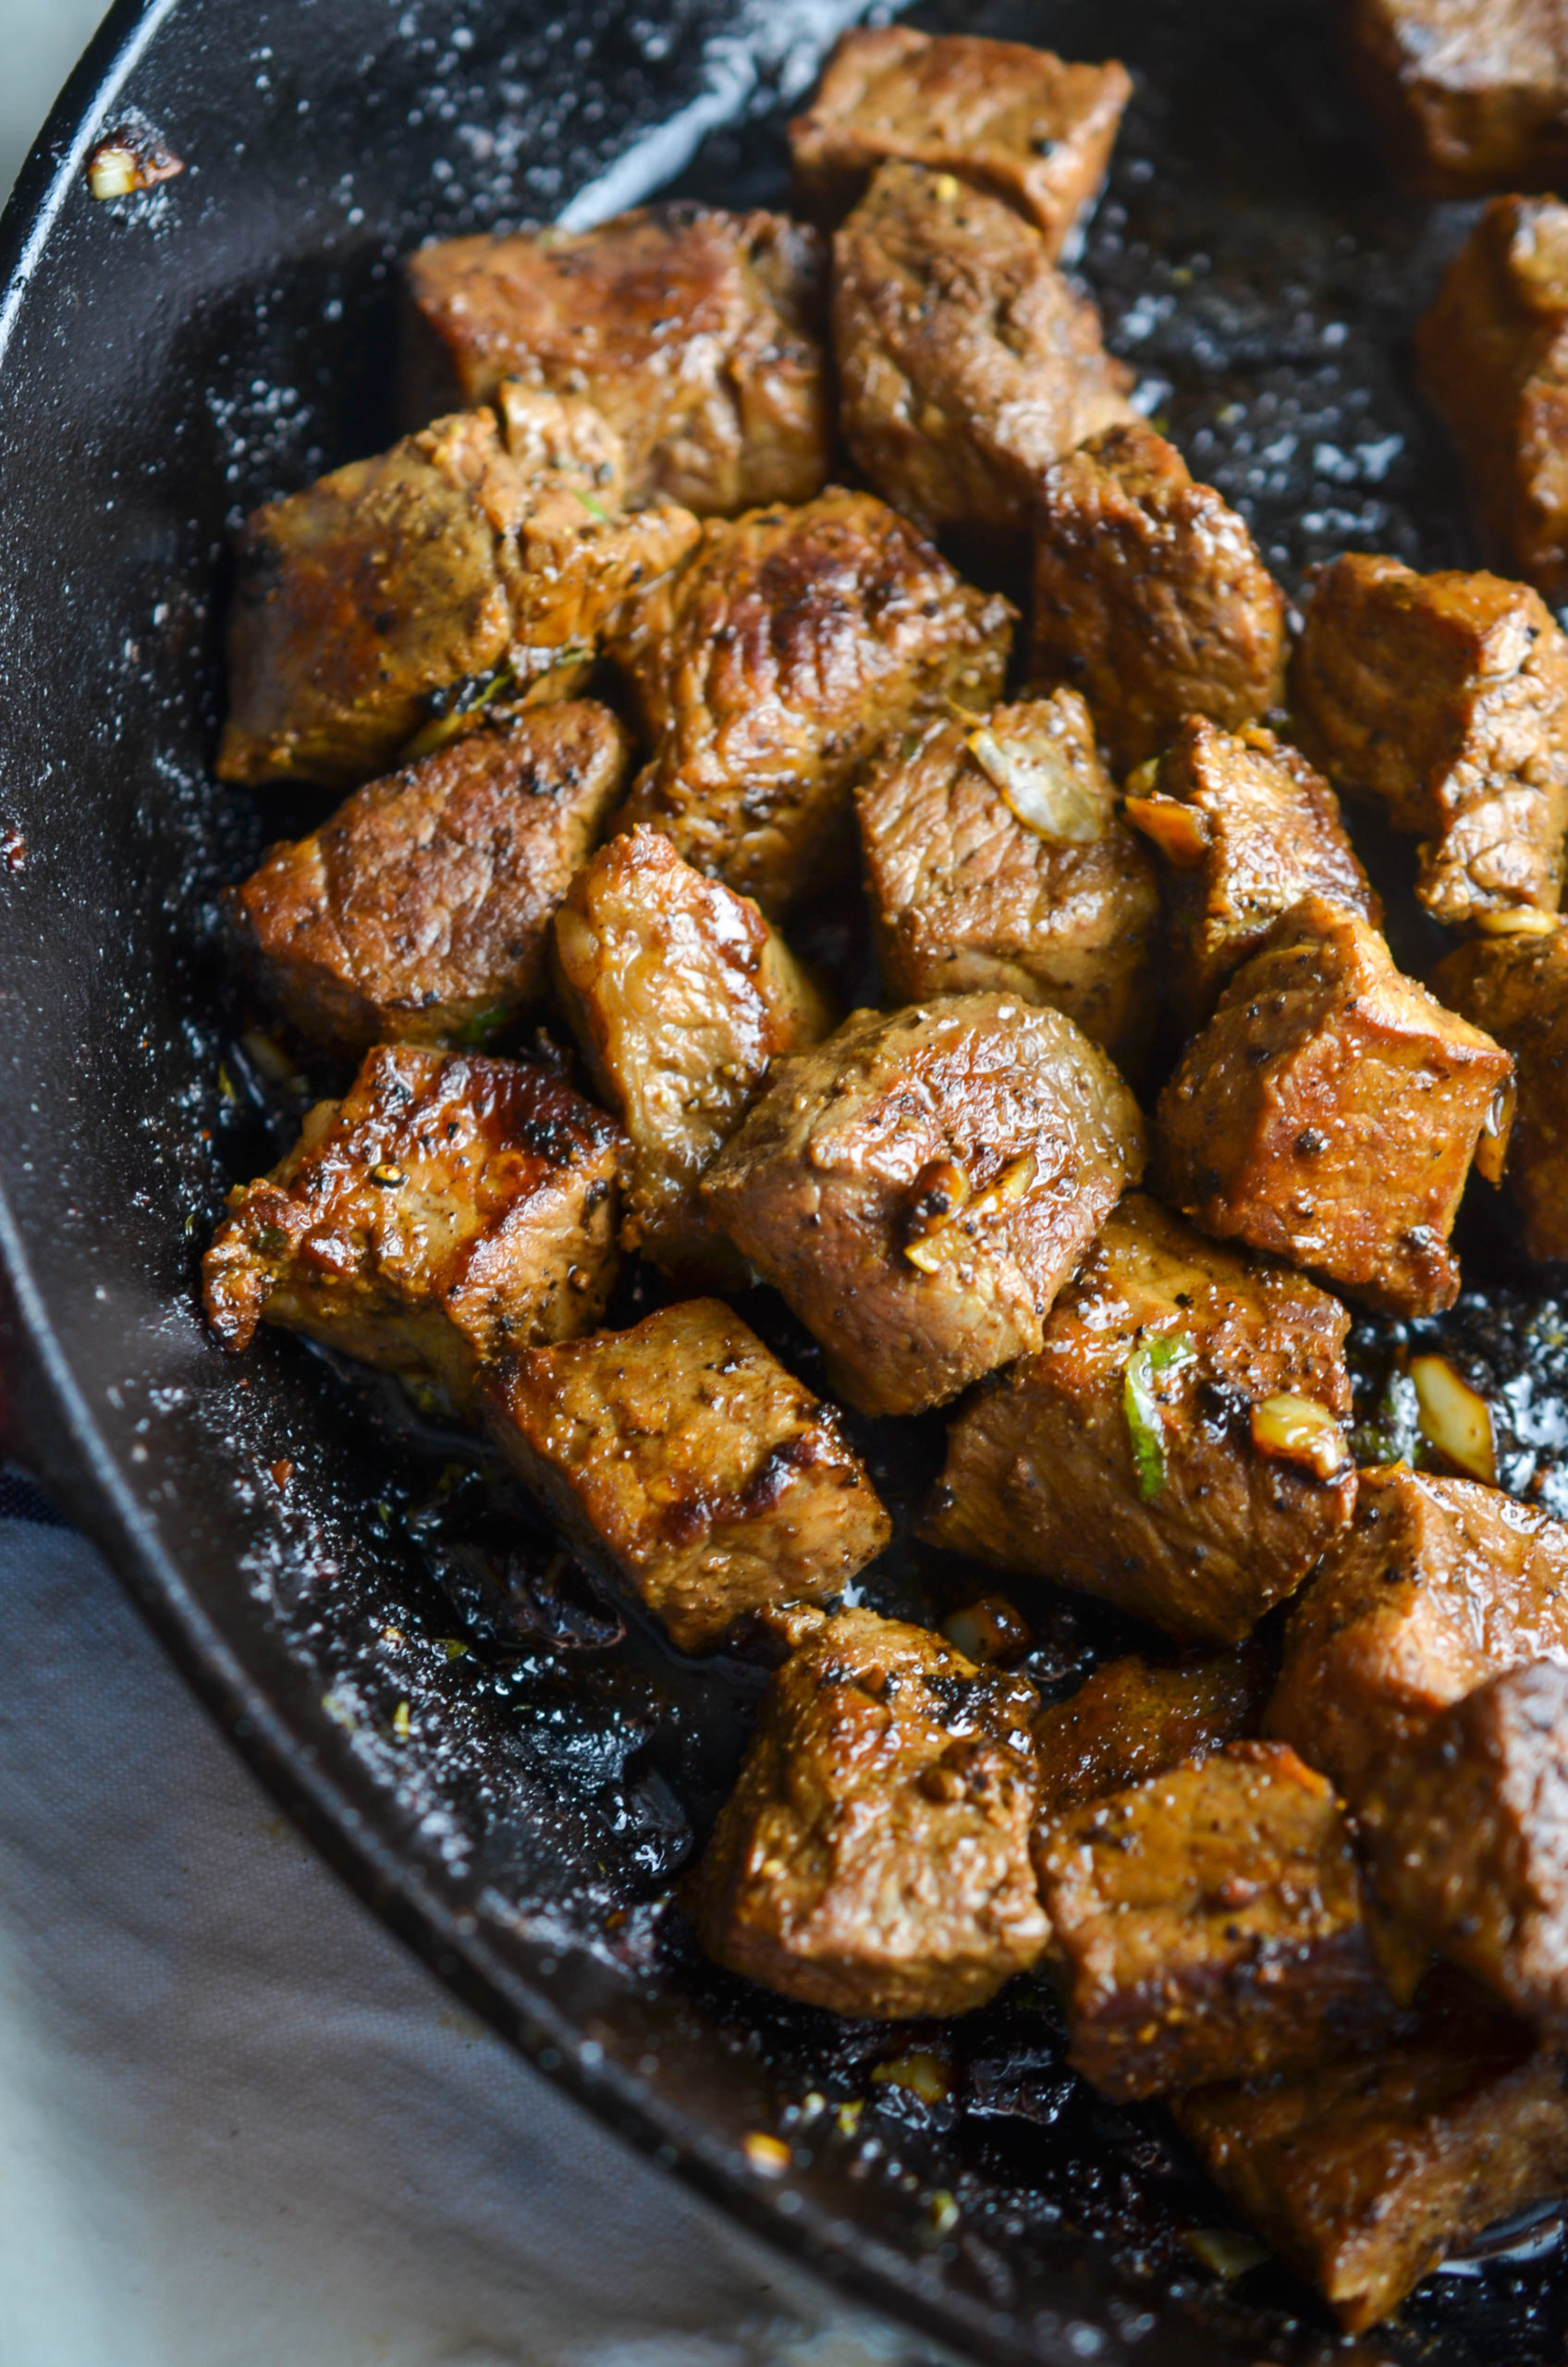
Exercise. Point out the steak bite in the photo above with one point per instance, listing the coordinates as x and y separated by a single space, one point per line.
1150 597
966 362
448 1209
478 559
1362 2176
874 1856
680 995
681 1459
1329 1111
695 332
420 911
1445 696
920 1187
1174 1446
1466 1831
1247 829
1018 121
1135 1718
1471 96
1209 1925
1493 352
1516 987
769 670
995 857
1437 1585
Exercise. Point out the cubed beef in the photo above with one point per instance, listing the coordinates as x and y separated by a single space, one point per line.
1135 1718
995 857
695 332
1020 122
420 911
1329 1111
874 1857
1445 696
920 1187
1363 2175
1176 1444
769 670
448 1209
1471 96
1209 1925
680 995
681 1459
966 362
1150 597
1247 829
1515 987
1466 1832
481 558
1437 1585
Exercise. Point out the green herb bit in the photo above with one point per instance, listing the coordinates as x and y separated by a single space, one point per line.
594 509
1145 1418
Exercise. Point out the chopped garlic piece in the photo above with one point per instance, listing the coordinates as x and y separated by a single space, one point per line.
1042 785
1454 1418
1298 1430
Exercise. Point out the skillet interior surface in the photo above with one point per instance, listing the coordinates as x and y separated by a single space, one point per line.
312 1558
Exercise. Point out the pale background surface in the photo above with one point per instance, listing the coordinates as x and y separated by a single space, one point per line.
40 41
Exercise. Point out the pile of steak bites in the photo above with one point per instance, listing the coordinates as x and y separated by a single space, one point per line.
623 657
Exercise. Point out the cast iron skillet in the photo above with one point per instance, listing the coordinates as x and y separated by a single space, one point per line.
513 1788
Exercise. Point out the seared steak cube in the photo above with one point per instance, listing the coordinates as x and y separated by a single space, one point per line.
1138 1454
1209 1925
449 1208
1437 1585
874 1857
1135 1718
420 911
680 996
1494 358
682 1459
769 670
1516 987
1247 829
1018 120
920 1187
995 856
1150 597
1329 1111
966 362
695 332
1471 95
1363 2175
1446 696
478 558
1467 1836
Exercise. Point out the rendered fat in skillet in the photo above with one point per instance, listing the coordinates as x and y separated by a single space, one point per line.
696 333
1516 987
1471 96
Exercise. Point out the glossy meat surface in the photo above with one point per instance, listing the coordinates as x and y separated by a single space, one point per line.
1166 1508
767 672
1516 987
1136 1718
920 1187
1446 697
696 333
1493 355
1150 597
874 1857
1255 828
420 911
682 1458
680 995
1210 1926
448 1209
966 362
1471 95
966 894
1329 1111
1020 122
1437 1585
484 546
